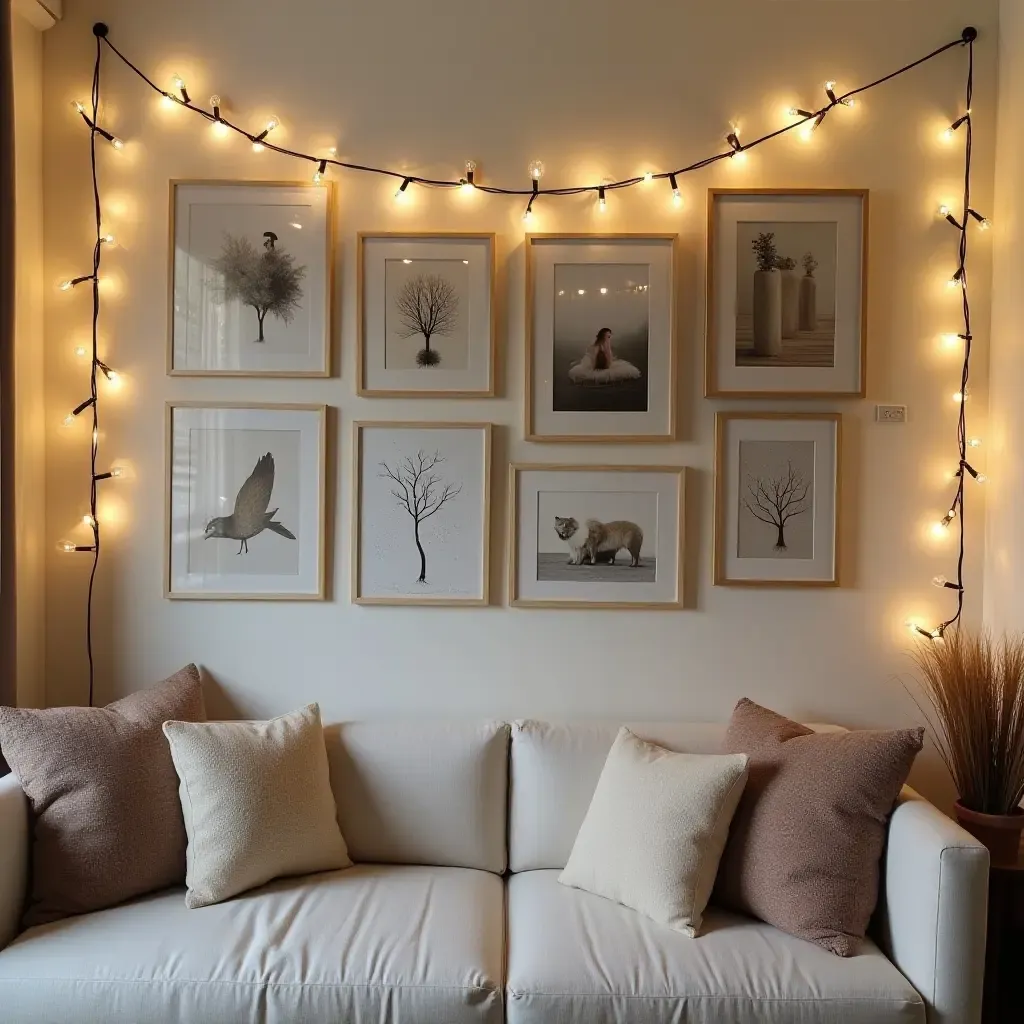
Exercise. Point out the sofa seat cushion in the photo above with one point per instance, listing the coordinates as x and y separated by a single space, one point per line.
576 958
410 945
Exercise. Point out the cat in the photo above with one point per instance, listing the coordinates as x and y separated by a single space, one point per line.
599 543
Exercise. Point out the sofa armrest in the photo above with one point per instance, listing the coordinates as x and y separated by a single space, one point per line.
14 834
934 909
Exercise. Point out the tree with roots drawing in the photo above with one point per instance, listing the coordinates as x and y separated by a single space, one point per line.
775 500
420 490
428 305
268 281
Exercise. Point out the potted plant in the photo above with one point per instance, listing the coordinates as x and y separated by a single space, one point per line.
809 294
974 686
767 297
790 296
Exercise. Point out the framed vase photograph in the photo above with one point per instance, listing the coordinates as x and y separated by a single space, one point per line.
251 279
245 496
786 293
427 321
422 513
596 536
600 338
777 486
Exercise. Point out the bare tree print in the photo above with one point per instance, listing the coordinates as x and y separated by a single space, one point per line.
420 490
428 305
268 281
777 499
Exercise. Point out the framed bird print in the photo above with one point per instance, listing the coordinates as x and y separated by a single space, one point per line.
245 494
251 279
427 324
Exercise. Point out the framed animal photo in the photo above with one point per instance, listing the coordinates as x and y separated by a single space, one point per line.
421 522
427 324
245 494
777 483
596 536
251 279
600 338
787 293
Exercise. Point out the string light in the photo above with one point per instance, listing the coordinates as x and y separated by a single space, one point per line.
318 174
468 183
602 203
179 84
677 196
80 351
974 442
536 170
400 196
219 128
648 177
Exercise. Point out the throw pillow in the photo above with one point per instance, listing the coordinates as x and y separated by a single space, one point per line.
806 842
655 830
104 796
257 802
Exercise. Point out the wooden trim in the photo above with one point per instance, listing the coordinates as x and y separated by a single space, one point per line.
711 389
513 538
356 526
722 420
330 311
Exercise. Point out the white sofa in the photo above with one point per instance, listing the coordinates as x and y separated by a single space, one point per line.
454 914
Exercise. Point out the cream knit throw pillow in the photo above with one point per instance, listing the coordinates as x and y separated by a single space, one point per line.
656 829
257 802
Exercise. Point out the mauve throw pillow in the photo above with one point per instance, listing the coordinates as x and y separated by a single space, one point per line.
107 822
806 840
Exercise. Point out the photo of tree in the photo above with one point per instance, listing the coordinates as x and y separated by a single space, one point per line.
776 498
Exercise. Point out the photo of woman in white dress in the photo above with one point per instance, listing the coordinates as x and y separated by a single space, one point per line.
599 365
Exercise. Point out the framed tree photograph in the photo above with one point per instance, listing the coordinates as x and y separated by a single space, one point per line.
777 484
251 279
596 536
427 322
245 497
786 293
422 512
600 338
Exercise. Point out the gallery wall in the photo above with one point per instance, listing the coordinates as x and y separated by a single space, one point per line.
594 90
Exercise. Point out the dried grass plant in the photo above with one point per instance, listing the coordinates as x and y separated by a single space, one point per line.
974 686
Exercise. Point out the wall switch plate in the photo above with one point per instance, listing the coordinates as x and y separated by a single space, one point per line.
891 413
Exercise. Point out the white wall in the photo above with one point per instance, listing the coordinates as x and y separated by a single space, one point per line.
593 88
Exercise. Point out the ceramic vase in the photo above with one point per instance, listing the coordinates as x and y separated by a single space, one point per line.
808 303
790 303
767 313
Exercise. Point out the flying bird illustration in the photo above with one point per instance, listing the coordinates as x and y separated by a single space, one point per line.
250 516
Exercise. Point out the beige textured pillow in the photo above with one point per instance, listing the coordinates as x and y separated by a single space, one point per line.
257 802
655 830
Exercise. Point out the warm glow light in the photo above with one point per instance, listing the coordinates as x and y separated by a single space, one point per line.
400 195
807 131
940 529
69 420
981 478
407 261
677 198
984 224
951 340
88 520
939 581
740 156
179 82
974 442
67 546
604 291
961 396
648 177
79 106
536 170
117 472
466 188
81 352
220 129
66 286
272 124
167 101
943 210
258 147
117 143
528 216
108 239
581 291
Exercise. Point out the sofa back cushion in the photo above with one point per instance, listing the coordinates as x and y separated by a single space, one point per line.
422 792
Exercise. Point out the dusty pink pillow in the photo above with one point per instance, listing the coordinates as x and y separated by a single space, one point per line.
107 822
806 840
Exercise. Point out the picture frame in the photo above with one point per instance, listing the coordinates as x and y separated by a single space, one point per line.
601 350
426 314
421 513
771 470
247 474
775 330
594 537
223 235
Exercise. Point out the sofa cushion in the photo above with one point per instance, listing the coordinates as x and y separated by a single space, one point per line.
422 792
579 959
410 945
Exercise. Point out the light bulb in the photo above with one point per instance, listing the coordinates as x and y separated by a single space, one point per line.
961 396
179 82
807 131
116 143
981 478
318 174
648 177
851 102
984 224
117 471
79 106
69 420
951 340
466 188
167 100
317 177
273 123
740 156
677 198
830 86
113 377
67 547
939 529
947 135
220 129
258 147
951 514
974 442
215 100
939 581
66 286
581 291
943 210
80 351
602 203
953 282
108 239
527 216
400 195
536 170
793 112
604 291
88 520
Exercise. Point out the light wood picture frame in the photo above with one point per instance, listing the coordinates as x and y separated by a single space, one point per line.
252 475
421 513
598 537
778 499
799 329
283 230
601 346
426 314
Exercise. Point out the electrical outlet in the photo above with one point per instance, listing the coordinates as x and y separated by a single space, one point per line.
891 413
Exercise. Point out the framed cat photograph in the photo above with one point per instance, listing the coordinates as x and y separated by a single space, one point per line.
786 293
600 338
596 536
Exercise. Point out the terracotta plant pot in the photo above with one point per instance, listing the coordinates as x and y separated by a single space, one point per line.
999 832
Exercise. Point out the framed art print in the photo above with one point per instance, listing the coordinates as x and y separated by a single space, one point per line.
427 324
421 521
600 338
251 269
777 482
786 293
245 494
596 536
